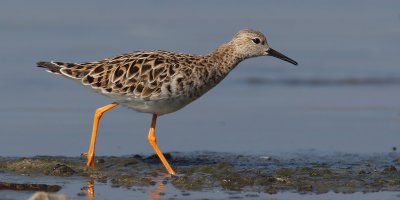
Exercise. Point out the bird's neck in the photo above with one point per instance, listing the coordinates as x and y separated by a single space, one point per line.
217 65
224 58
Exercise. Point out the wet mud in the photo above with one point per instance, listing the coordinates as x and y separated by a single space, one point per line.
202 171
29 186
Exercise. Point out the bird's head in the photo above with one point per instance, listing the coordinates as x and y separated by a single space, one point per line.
251 43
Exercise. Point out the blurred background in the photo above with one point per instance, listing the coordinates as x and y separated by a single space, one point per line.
343 97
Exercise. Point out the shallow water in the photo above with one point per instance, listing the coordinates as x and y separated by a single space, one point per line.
103 191
343 97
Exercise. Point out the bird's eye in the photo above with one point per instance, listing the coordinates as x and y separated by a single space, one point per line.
256 40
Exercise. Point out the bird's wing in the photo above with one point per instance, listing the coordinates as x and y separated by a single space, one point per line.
139 73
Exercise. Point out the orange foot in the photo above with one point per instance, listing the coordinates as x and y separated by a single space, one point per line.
89 157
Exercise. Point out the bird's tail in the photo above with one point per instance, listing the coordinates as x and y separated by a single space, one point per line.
70 70
51 67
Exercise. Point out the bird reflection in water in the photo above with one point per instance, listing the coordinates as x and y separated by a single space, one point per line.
154 193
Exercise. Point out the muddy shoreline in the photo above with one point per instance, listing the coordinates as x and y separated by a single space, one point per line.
339 173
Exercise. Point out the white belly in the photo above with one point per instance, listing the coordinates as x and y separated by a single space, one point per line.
159 107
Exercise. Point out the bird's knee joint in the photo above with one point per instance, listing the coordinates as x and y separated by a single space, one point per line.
99 112
152 139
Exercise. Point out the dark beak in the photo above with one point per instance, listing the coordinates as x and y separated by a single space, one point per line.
276 54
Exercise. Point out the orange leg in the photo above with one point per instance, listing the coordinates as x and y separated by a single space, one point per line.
97 115
153 143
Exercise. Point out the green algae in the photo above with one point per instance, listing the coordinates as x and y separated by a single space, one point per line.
285 171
